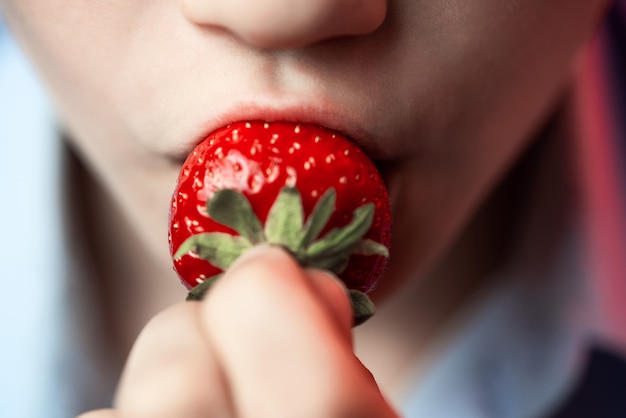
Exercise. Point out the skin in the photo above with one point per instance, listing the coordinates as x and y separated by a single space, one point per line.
444 95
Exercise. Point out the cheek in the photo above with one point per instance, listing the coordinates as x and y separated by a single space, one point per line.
477 92
77 48
485 62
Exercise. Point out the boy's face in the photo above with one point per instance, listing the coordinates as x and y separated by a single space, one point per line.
446 92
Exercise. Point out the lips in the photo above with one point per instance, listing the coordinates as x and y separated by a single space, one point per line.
322 114
325 113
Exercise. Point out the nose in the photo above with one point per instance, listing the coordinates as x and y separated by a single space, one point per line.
274 24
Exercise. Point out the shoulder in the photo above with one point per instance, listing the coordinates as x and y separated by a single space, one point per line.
601 390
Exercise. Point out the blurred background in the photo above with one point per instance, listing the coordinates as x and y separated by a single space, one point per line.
31 266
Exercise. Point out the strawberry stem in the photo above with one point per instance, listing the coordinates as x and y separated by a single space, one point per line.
199 292
285 227
362 307
233 209
318 218
285 218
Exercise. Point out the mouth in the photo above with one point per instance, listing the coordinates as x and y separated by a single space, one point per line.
325 115
388 165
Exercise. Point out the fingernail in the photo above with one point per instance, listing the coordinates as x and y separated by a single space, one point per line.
330 275
199 292
327 284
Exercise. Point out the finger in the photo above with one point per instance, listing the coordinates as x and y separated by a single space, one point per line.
284 344
334 295
172 372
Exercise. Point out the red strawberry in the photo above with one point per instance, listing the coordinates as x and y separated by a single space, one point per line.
305 188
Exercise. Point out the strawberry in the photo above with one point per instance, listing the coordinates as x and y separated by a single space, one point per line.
305 188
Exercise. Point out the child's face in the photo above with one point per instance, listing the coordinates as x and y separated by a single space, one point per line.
446 91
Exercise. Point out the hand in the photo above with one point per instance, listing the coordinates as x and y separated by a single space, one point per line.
269 340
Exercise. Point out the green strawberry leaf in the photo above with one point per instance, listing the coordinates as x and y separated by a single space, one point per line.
218 248
340 240
232 208
370 247
332 261
199 291
362 307
284 220
319 217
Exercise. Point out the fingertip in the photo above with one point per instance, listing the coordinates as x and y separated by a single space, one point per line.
335 296
261 253
267 268
264 281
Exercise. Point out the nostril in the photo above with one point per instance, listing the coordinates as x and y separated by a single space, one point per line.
288 23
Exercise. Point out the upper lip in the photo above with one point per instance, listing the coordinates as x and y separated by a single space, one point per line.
327 115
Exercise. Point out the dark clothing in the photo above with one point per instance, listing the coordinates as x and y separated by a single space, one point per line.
601 392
